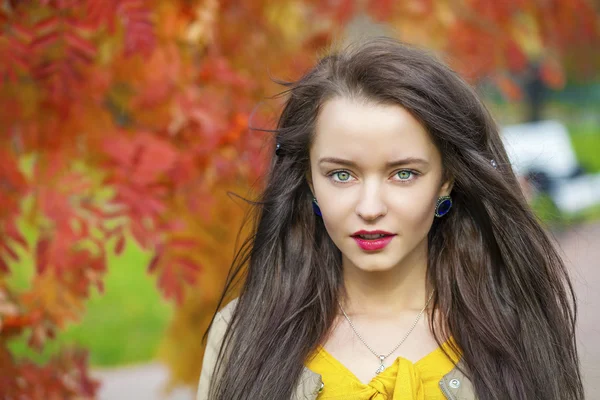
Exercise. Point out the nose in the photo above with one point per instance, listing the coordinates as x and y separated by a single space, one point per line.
371 205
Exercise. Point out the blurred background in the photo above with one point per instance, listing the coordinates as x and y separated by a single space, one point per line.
124 124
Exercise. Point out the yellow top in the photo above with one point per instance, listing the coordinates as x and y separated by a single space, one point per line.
403 380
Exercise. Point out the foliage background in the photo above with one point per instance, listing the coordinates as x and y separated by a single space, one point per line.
124 125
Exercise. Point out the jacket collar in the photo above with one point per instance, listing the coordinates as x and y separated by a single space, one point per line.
454 385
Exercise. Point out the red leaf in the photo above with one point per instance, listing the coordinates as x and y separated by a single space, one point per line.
120 245
4 266
219 69
47 24
45 70
139 28
156 157
13 232
154 263
102 12
140 234
84 46
8 250
42 250
100 286
170 286
21 32
44 41
188 264
183 243
189 272
84 228
19 61
120 149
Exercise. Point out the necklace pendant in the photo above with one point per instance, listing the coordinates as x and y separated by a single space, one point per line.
381 367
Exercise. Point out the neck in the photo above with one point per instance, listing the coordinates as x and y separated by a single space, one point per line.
399 289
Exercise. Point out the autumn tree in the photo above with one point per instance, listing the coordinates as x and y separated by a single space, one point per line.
127 121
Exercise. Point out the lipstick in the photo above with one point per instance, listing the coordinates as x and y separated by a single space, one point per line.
372 240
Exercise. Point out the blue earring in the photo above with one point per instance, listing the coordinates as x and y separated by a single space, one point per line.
444 204
316 208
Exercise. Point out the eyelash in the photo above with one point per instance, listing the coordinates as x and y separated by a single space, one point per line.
414 175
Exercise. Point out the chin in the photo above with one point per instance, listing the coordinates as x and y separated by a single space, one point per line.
374 268
373 265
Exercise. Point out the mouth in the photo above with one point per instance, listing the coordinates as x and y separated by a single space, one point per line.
371 235
371 241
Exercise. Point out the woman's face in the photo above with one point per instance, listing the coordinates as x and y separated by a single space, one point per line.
374 167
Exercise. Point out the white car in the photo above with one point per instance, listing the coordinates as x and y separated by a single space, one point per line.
541 153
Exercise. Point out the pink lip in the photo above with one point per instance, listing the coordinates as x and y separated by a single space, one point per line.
377 232
373 244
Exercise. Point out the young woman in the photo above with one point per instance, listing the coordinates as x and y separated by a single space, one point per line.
393 255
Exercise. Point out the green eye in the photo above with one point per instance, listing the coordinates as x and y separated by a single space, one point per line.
404 175
342 176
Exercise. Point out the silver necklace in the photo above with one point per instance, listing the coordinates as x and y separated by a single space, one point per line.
382 357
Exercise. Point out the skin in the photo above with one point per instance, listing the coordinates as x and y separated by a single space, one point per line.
385 290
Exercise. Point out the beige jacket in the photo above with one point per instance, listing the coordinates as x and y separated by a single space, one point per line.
454 384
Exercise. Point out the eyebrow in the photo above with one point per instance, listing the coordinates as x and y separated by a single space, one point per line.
397 163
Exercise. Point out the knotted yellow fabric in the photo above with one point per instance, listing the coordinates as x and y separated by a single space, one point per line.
403 380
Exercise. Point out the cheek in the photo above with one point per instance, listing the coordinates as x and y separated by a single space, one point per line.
333 218
423 219
332 205
416 213
336 212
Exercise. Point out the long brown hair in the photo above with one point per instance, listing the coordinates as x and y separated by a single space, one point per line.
501 287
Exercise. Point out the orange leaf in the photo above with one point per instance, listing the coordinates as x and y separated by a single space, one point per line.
516 59
552 74
381 9
508 87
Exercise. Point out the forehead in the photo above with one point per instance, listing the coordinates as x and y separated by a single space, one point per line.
370 133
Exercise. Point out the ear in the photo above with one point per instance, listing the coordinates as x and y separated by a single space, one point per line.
308 177
447 186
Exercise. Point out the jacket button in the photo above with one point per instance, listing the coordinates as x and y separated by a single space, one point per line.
321 388
454 383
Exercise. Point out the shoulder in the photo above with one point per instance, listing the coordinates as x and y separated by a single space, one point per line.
220 323
227 311
213 345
